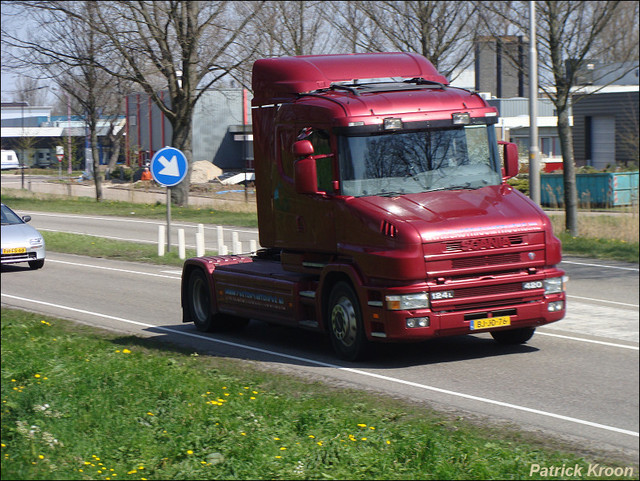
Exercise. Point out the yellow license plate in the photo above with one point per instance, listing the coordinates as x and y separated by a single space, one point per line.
15 250
490 322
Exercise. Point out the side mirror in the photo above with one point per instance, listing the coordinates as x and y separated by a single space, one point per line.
305 174
26 218
511 164
302 148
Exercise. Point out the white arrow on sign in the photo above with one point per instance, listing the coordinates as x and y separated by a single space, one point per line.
170 167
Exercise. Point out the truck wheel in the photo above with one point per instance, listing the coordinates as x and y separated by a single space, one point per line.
199 301
346 329
514 336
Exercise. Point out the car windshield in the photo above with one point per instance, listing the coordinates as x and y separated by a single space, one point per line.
420 161
9 217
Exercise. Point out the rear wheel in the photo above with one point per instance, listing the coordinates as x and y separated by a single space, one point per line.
199 303
514 336
346 328
36 264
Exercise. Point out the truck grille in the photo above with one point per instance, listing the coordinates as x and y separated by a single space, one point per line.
488 260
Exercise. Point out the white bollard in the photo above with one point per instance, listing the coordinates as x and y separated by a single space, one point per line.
223 250
181 249
220 239
235 243
161 240
253 245
199 244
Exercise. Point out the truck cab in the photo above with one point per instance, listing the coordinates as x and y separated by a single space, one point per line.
384 210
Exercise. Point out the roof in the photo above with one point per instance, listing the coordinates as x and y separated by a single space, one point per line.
283 77
32 132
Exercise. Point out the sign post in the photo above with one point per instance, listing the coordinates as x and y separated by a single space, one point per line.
60 156
169 167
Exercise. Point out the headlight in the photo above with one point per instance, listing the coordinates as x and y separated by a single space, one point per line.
555 285
407 302
36 242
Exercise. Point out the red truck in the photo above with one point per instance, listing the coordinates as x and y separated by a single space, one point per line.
384 212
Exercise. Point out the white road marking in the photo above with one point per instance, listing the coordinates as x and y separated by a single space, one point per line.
113 269
602 300
140 221
624 346
599 265
341 368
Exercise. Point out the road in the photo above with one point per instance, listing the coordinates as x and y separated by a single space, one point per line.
576 380
141 230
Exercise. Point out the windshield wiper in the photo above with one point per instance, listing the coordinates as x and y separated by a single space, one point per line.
466 186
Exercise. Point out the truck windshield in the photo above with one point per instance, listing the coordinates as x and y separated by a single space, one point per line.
419 161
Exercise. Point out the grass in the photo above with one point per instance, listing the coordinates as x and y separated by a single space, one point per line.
91 246
81 403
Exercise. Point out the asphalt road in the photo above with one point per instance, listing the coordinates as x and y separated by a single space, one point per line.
141 230
576 379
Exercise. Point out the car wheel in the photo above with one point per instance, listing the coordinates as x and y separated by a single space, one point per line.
36 264
346 328
514 336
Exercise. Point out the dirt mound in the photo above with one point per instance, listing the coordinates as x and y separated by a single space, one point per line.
204 171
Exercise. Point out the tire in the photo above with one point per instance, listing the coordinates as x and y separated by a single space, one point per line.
199 304
346 329
514 336
199 301
36 264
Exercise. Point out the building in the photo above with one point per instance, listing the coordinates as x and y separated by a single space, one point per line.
221 129
34 134
501 66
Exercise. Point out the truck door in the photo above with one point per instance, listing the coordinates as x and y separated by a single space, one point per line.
305 222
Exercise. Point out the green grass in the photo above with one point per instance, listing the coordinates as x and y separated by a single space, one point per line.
599 248
81 403
113 249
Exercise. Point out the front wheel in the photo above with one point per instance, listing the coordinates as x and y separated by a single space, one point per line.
514 336
36 264
346 328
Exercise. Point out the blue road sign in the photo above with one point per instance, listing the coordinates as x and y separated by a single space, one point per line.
169 166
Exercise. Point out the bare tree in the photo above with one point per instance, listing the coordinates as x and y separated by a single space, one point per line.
70 60
442 31
189 45
570 35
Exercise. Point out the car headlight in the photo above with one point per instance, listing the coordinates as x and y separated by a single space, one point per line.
407 302
554 285
36 242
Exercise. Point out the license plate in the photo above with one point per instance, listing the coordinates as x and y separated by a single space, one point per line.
490 322
15 250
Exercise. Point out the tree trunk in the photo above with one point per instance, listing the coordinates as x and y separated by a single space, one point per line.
570 188
181 140
95 159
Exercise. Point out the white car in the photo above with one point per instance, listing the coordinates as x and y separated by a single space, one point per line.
20 242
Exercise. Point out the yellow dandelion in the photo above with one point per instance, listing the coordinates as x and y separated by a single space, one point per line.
37 375
283 448
311 436
150 413
40 456
126 351
189 452
362 425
